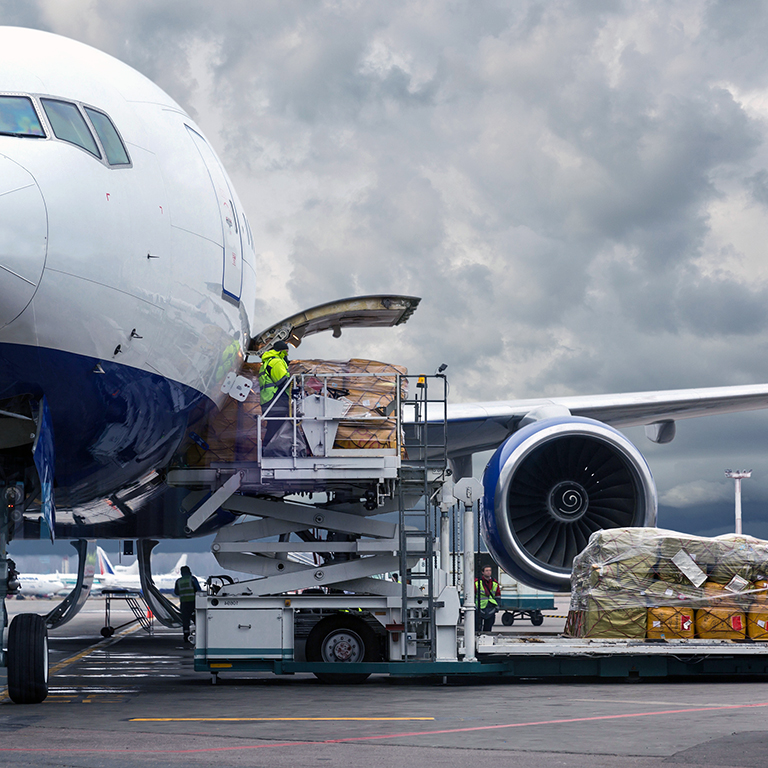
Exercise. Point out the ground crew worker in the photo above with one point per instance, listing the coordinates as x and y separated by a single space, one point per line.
272 378
487 594
185 587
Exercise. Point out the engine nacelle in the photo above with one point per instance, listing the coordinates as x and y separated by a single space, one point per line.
554 483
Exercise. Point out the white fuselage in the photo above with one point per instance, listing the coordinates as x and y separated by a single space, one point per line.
125 289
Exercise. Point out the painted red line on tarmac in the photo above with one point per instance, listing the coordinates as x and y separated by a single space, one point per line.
387 735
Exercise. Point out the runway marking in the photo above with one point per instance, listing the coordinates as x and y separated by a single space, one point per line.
81 655
379 737
265 719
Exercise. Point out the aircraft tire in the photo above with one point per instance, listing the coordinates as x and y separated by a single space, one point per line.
338 638
28 659
507 619
107 631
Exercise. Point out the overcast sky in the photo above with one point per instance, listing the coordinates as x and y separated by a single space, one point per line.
578 191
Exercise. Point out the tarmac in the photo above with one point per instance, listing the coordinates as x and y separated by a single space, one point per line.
135 700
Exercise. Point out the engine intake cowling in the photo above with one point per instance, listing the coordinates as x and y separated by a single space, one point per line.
550 486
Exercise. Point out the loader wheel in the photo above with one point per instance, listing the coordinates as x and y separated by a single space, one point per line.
537 619
342 638
507 619
28 659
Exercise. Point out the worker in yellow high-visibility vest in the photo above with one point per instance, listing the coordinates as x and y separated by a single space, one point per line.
487 594
186 586
273 377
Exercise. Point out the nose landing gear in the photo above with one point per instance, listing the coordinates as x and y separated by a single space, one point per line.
27 655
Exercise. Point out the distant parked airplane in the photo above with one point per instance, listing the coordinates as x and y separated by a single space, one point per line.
40 585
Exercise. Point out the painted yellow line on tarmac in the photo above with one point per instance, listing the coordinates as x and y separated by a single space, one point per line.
72 659
264 719
88 651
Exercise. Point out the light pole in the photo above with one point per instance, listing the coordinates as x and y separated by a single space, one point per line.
738 475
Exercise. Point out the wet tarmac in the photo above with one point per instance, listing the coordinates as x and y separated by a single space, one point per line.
135 700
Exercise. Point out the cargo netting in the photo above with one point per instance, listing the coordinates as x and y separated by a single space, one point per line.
367 388
648 583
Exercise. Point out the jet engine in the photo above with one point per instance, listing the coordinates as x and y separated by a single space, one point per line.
550 486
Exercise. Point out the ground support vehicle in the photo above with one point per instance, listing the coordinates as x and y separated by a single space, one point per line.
347 589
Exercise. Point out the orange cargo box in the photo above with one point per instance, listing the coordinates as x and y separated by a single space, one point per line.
665 623
757 622
720 624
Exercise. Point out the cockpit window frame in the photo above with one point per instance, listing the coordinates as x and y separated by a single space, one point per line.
36 109
87 109
99 154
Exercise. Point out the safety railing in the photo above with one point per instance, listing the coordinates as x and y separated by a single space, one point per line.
349 414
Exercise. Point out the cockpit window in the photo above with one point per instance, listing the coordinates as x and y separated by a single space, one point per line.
18 117
110 139
69 125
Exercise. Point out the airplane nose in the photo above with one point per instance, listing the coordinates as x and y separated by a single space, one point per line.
23 238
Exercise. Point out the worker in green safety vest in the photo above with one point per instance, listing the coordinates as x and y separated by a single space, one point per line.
487 594
186 586
273 377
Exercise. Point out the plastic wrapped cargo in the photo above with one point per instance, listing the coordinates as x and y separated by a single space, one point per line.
676 585
367 387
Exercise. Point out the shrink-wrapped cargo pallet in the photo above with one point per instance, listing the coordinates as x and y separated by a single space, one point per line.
231 433
713 588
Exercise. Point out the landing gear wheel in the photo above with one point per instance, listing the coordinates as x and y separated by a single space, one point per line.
107 631
28 659
537 619
507 619
342 638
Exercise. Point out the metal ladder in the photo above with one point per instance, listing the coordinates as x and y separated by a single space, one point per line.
421 475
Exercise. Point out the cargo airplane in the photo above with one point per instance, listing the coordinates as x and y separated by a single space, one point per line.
128 285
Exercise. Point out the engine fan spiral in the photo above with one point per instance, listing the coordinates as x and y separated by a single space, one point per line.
568 500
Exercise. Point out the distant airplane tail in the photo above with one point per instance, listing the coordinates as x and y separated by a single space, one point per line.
105 566
182 561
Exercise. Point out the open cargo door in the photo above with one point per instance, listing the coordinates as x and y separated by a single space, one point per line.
357 312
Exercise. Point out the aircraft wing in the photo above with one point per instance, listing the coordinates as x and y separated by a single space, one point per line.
474 427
